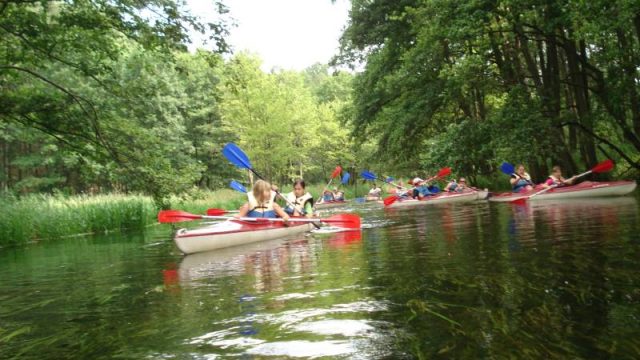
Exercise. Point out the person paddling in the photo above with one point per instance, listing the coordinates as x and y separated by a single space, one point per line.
556 179
261 203
457 186
300 201
338 195
327 196
521 180
375 193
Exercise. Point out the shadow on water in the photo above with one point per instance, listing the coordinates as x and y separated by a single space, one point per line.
544 280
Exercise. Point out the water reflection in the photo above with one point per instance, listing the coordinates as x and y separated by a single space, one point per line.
545 280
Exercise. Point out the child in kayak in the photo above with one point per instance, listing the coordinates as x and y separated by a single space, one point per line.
262 203
327 196
375 193
556 179
338 195
300 202
521 180
457 186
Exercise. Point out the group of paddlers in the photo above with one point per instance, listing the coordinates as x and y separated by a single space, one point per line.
262 198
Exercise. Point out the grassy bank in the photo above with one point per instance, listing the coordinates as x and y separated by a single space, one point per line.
41 217
45 216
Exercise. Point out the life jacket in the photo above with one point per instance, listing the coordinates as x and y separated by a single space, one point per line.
327 196
258 210
555 180
453 186
522 182
299 203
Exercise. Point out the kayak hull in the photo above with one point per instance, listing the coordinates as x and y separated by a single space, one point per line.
233 233
443 198
583 190
330 204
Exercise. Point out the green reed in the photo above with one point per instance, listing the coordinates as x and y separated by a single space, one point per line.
37 217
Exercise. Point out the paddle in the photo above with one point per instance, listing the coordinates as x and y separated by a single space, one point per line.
507 168
345 178
347 221
446 171
237 157
368 175
336 172
237 186
218 212
602 167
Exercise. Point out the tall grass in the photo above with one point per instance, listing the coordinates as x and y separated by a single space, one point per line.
48 216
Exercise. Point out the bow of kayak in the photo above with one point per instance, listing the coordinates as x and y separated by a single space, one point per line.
232 233
582 190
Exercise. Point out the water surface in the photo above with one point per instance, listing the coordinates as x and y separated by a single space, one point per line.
546 280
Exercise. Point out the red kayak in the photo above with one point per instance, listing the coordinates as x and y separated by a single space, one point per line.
582 190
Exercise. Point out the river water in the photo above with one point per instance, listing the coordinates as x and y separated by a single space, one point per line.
545 280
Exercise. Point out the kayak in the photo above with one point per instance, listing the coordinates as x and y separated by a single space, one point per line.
582 190
234 232
330 204
442 198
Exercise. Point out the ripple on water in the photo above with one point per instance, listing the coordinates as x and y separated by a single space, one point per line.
339 336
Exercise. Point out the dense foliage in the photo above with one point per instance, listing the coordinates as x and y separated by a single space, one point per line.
104 96
472 83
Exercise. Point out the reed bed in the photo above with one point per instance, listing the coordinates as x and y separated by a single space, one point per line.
38 217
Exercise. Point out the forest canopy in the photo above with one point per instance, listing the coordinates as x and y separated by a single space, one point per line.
99 96
470 84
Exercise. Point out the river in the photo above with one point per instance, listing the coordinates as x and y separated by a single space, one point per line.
544 280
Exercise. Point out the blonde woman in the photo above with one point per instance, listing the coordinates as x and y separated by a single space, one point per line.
262 203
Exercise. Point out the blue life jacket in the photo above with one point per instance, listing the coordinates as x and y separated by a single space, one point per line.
520 184
270 214
327 197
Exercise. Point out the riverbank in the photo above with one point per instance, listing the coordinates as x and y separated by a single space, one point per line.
44 217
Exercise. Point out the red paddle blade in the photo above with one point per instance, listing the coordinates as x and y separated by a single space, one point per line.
336 172
171 216
444 172
604 166
216 212
390 200
349 221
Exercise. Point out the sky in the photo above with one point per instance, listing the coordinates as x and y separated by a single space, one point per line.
286 34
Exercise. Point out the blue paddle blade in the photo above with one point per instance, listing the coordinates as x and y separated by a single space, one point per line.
360 200
236 156
345 178
237 186
389 179
507 168
367 175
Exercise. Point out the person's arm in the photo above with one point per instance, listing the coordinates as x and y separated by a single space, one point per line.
569 181
281 213
308 209
244 210
513 180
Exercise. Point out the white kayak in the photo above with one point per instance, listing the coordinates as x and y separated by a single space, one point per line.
234 232
582 190
442 198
